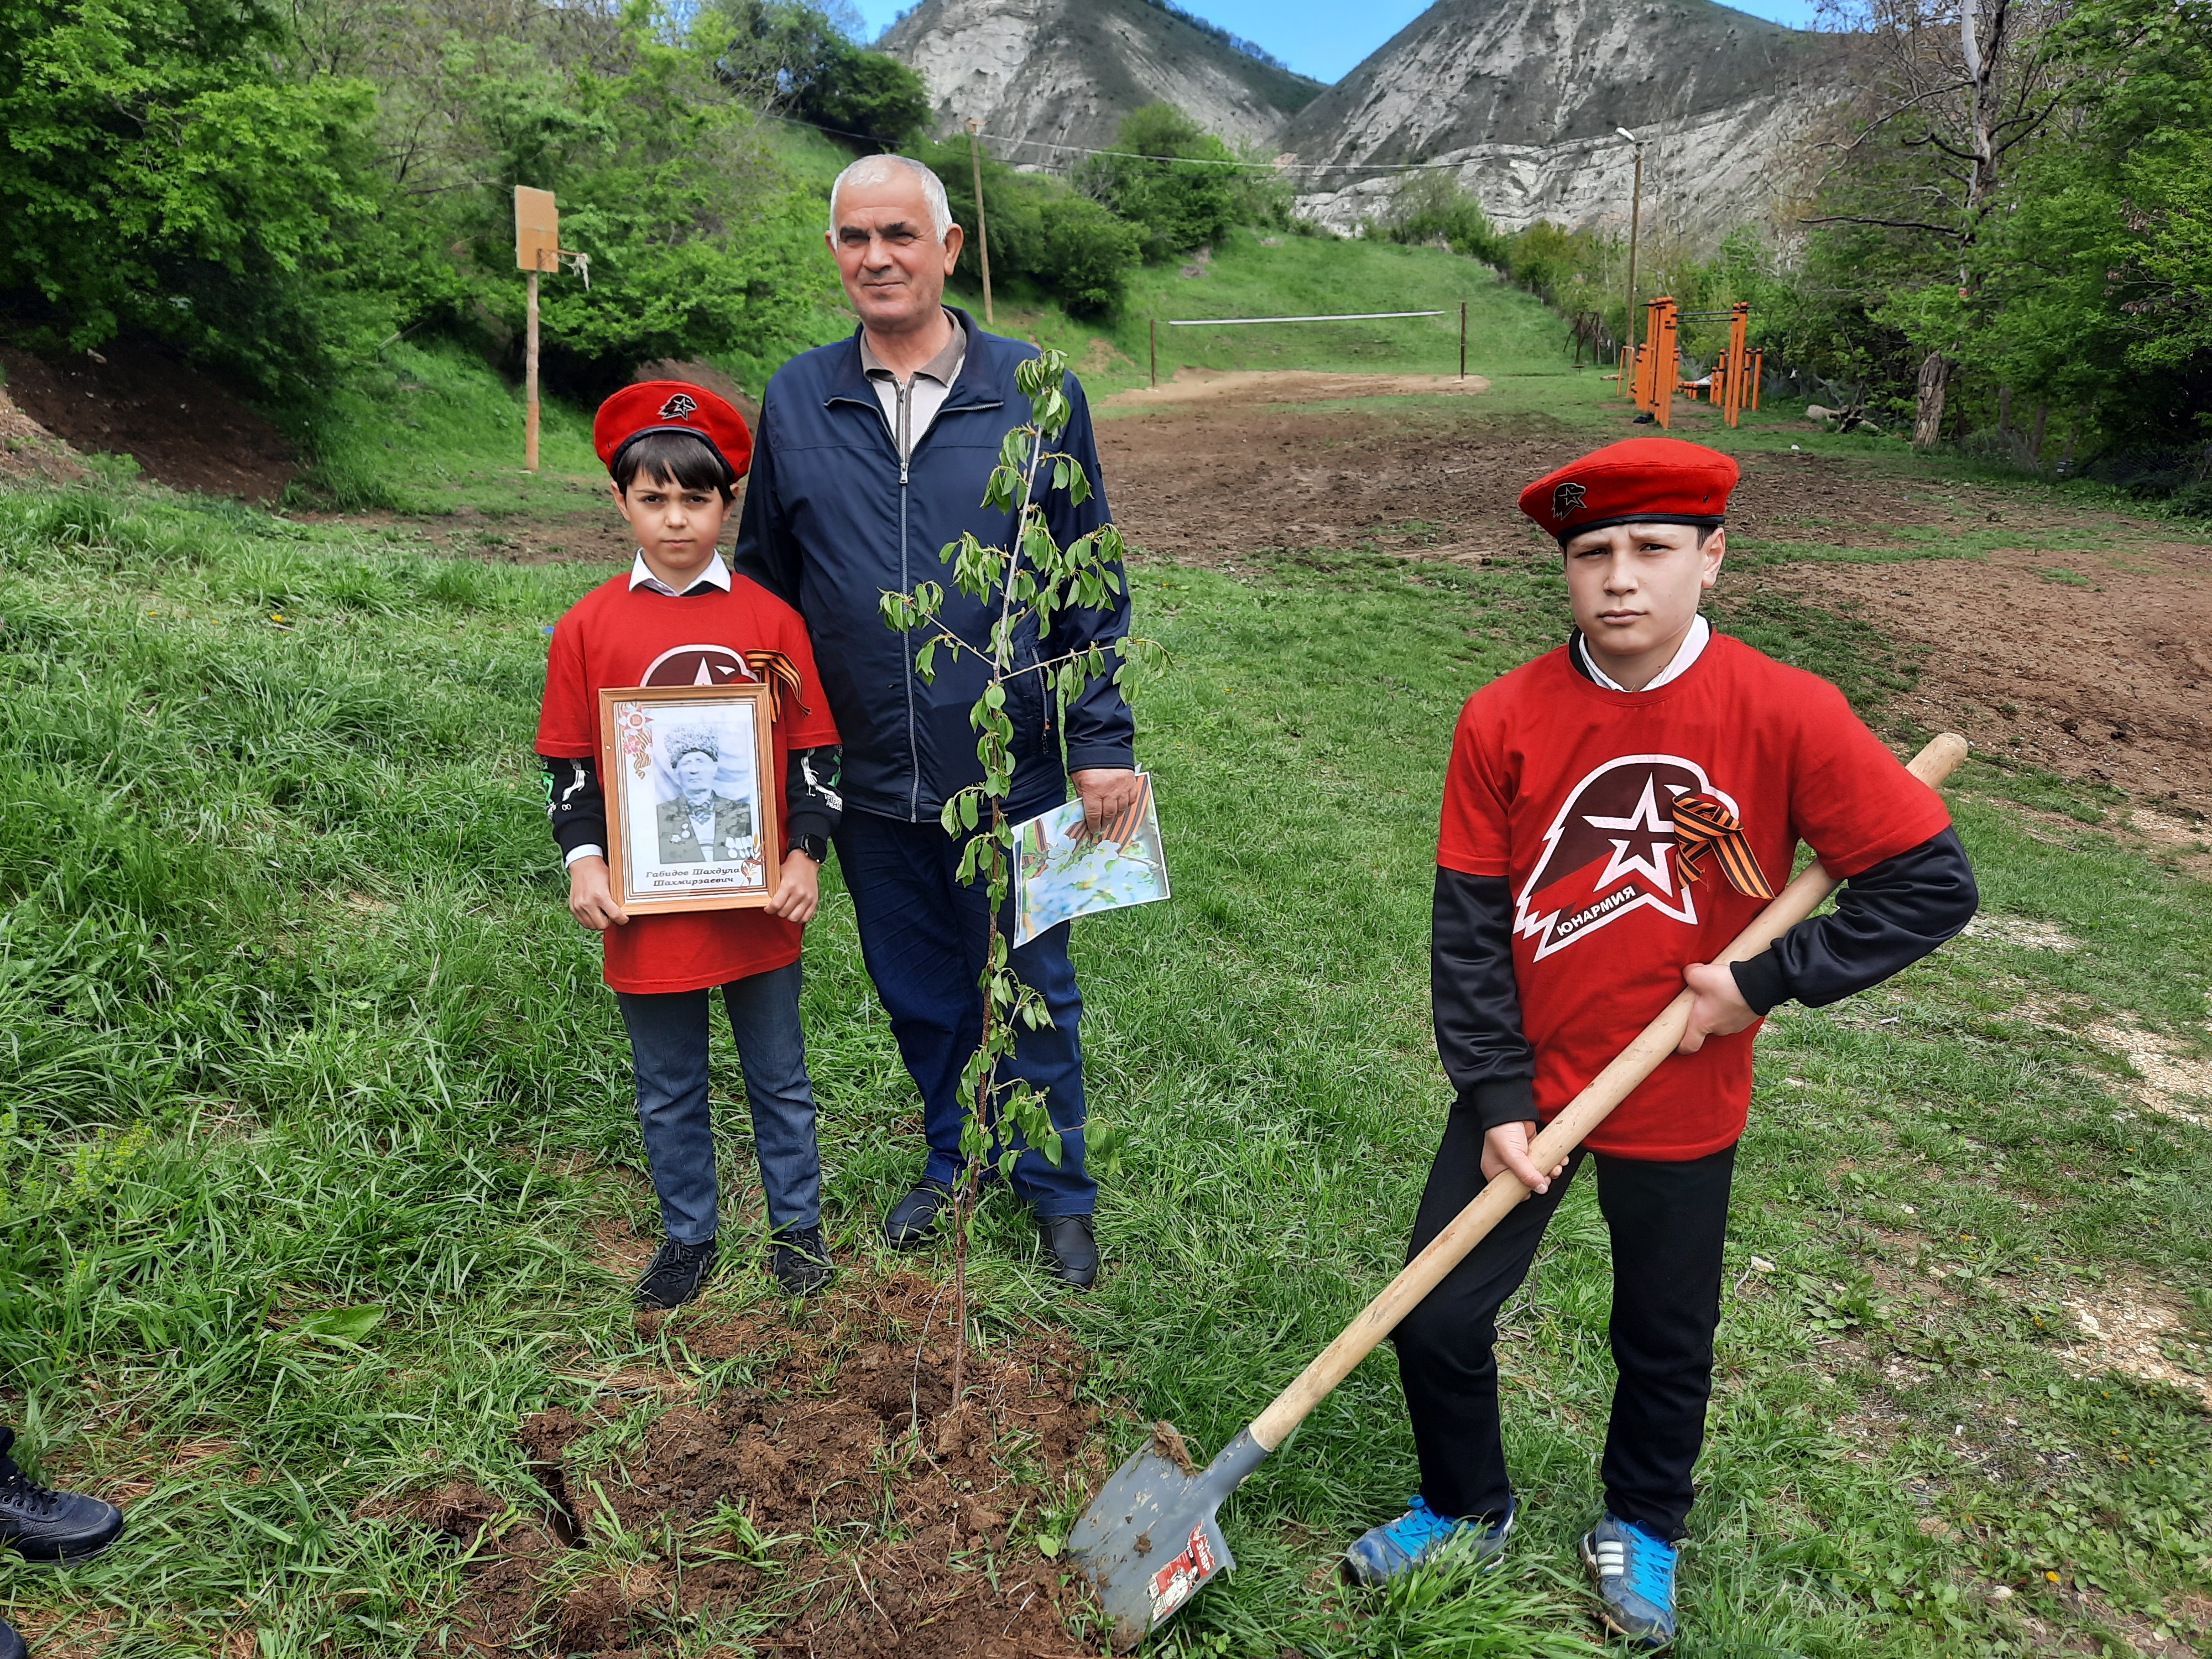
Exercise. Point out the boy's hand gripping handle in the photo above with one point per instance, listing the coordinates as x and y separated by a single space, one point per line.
1561 1136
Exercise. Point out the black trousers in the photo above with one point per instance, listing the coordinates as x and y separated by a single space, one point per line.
1669 1222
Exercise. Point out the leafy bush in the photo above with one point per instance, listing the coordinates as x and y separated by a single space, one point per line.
1178 184
1041 232
1432 207
789 55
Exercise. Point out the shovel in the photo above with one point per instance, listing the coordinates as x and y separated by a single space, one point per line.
1150 1538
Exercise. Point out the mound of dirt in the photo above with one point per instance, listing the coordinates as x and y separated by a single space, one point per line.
804 1496
27 450
184 430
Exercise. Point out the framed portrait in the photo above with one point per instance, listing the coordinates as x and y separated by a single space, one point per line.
690 800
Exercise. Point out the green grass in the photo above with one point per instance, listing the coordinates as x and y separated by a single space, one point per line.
314 1095
1279 274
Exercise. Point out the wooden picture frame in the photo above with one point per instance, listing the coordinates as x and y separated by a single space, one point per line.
727 852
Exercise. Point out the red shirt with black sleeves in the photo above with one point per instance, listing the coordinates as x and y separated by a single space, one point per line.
619 636
1563 787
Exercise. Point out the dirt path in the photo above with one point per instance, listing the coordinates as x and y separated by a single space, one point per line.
2090 655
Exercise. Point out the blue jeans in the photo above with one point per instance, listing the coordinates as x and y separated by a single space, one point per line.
668 1032
922 934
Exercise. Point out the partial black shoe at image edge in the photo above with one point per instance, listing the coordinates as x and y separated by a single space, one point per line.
11 1645
46 1526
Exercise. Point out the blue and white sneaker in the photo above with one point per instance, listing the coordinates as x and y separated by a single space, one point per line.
1381 1553
1635 1576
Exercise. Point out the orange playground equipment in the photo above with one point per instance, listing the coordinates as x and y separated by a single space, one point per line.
1651 374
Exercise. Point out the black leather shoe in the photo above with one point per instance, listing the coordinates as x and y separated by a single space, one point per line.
45 1525
11 1645
912 1222
1071 1247
799 1259
679 1272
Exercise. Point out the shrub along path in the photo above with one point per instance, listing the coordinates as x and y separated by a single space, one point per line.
321 1182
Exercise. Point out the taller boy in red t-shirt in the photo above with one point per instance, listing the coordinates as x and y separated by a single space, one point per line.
679 617
1566 917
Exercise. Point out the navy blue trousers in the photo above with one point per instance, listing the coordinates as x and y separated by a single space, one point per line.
922 934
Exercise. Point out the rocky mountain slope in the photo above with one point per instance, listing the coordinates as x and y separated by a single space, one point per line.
1523 96
1526 94
1041 72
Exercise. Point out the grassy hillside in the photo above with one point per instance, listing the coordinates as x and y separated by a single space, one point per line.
1253 275
316 1133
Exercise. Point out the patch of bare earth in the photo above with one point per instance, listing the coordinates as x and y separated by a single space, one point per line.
804 1498
186 430
27 450
1275 386
2142 1332
2098 662
2169 1082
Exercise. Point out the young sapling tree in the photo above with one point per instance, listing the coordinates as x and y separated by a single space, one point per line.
1026 584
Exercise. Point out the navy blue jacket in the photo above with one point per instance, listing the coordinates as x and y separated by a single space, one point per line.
831 521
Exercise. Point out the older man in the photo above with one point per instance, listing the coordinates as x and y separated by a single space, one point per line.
872 454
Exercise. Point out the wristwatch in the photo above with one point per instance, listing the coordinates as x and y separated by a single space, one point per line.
815 847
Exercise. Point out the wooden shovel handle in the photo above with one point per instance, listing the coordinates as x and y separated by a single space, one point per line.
1561 1136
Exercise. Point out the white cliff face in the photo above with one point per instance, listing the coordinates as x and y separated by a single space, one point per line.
1526 95
1702 175
1523 96
1043 72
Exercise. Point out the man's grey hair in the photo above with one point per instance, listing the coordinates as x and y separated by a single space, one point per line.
892 169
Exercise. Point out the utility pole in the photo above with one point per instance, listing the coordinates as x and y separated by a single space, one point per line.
982 230
1635 227
537 247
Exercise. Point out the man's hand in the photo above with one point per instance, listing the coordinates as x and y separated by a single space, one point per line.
591 900
1506 1147
798 890
1720 1009
1107 793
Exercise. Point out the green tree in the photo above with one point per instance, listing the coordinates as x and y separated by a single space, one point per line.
1178 184
790 55
161 174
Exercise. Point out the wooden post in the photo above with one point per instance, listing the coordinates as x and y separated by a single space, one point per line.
529 384
1462 340
1156 352
983 229
1635 227
1738 363
1666 363
1758 367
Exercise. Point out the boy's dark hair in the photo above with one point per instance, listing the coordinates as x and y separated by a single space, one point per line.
674 458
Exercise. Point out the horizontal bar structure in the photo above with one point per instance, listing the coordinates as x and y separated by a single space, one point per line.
1337 316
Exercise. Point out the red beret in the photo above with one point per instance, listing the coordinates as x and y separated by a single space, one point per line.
673 406
1642 480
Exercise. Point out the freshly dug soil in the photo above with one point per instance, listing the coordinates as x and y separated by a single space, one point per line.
802 1494
186 431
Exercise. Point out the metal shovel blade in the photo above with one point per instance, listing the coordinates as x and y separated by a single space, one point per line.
1150 1539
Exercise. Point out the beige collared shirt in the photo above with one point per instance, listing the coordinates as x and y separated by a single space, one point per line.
911 408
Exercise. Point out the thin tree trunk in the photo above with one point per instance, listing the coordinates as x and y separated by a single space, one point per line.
1928 415
2035 437
2073 432
2004 411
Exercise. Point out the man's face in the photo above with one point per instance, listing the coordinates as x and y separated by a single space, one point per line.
1635 586
893 266
694 770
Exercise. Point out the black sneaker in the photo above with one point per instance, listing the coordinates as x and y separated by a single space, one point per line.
799 1259
679 1272
45 1525
912 1222
11 1645
1071 1248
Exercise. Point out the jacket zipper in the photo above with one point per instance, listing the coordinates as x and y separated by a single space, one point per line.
906 586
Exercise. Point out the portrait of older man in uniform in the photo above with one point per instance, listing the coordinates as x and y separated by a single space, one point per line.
698 820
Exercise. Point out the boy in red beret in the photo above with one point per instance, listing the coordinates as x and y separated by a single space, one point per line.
1567 914
679 617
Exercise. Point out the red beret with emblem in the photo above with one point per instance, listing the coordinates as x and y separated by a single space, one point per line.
1640 481
673 406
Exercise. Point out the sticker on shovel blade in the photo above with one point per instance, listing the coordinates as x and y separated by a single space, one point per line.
1172 1584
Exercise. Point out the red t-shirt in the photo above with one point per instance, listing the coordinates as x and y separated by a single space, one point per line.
618 636
1563 787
